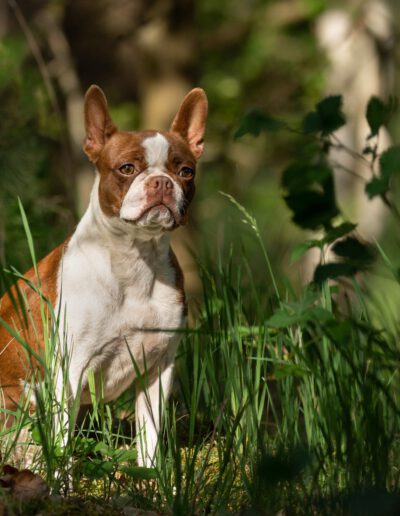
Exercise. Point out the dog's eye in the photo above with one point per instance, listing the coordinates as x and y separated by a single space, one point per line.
186 172
127 169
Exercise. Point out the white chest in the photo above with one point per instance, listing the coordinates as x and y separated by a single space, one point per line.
121 303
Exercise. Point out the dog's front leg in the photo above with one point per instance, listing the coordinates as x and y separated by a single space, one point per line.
150 402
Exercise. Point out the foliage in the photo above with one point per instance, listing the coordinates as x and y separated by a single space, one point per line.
309 184
29 134
285 400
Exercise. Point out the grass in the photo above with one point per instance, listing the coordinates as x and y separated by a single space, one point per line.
282 403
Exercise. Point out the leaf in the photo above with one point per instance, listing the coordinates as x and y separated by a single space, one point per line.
356 257
97 468
84 445
255 121
312 209
319 314
338 232
125 455
327 118
140 473
339 331
311 123
283 318
310 194
36 434
390 162
353 250
103 449
333 271
300 175
377 186
376 115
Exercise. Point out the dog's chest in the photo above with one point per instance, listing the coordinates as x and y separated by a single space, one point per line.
121 303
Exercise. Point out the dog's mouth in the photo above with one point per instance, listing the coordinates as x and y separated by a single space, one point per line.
158 215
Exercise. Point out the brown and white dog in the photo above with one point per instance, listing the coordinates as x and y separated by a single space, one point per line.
115 282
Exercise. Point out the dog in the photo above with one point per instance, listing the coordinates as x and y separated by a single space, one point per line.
116 283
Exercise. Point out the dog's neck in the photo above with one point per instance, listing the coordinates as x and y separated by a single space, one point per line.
131 250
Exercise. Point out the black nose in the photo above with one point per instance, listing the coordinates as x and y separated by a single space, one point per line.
158 184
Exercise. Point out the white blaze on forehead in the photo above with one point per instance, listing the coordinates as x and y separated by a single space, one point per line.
156 149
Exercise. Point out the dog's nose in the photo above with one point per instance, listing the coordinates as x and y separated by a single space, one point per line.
158 184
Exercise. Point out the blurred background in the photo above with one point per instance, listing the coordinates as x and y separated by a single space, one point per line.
277 56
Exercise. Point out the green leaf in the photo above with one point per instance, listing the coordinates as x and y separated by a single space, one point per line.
339 232
84 445
310 194
103 449
282 319
316 313
97 468
377 186
353 250
356 257
285 317
312 210
36 434
327 118
255 121
301 175
311 123
333 271
376 115
125 455
140 473
389 165
338 331
390 162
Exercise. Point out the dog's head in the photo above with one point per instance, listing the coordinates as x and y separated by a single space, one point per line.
146 177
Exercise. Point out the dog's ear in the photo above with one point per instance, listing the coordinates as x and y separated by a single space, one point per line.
190 121
98 124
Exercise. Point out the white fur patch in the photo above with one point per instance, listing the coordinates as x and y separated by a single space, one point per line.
156 148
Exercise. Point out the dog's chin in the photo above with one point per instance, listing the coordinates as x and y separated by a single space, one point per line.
157 216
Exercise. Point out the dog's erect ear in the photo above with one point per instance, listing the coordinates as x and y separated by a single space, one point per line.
190 121
98 124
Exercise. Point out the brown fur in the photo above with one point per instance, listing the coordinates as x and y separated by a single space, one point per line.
15 365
